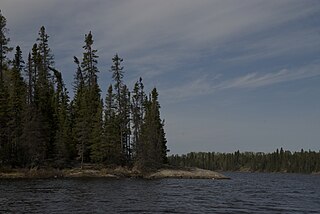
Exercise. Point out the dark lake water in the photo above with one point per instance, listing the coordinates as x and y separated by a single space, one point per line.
244 193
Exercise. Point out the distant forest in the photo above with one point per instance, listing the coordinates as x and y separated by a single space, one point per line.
40 125
278 161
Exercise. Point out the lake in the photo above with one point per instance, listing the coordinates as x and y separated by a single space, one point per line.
244 193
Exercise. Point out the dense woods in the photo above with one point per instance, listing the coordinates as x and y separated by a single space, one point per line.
278 161
40 125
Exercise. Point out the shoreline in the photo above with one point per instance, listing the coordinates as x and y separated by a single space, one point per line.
117 173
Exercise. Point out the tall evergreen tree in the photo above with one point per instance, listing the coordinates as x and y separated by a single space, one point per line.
88 102
125 118
98 153
112 147
34 70
44 90
79 120
17 106
122 97
89 62
63 140
137 109
117 75
154 149
4 118
4 94
29 75
4 48
34 137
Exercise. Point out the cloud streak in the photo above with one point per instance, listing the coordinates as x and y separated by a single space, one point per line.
157 33
205 85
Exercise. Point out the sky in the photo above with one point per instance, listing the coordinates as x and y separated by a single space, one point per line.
232 75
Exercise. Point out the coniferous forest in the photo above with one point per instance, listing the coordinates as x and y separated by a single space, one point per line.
40 125
278 161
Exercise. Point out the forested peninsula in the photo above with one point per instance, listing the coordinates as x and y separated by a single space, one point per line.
46 133
41 127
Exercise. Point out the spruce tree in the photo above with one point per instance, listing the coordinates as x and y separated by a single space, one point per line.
122 97
125 118
89 62
98 153
33 69
152 136
79 120
17 106
44 87
112 143
117 75
4 118
63 140
4 94
4 48
88 107
137 109
34 137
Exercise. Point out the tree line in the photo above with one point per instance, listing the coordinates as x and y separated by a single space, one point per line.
278 161
41 125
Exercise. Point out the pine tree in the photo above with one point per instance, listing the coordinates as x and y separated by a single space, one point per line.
112 144
46 57
79 128
4 94
125 124
88 106
4 48
63 140
98 153
154 149
33 69
137 109
44 88
34 137
17 106
89 62
117 75
122 98
4 117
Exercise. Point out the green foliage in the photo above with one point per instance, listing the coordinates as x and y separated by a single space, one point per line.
5 145
111 147
122 111
88 106
137 109
152 149
16 107
4 118
4 48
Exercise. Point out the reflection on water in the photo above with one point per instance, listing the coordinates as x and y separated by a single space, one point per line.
244 193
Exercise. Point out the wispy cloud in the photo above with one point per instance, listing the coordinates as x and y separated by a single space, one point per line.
161 37
205 85
155 33
286 43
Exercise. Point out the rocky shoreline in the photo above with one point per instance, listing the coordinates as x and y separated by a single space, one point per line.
117 173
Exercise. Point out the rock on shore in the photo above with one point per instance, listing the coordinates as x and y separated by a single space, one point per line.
192 173
119 172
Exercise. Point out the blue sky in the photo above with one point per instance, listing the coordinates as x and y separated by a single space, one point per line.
231 74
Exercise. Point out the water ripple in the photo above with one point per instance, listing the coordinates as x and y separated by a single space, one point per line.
244 193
